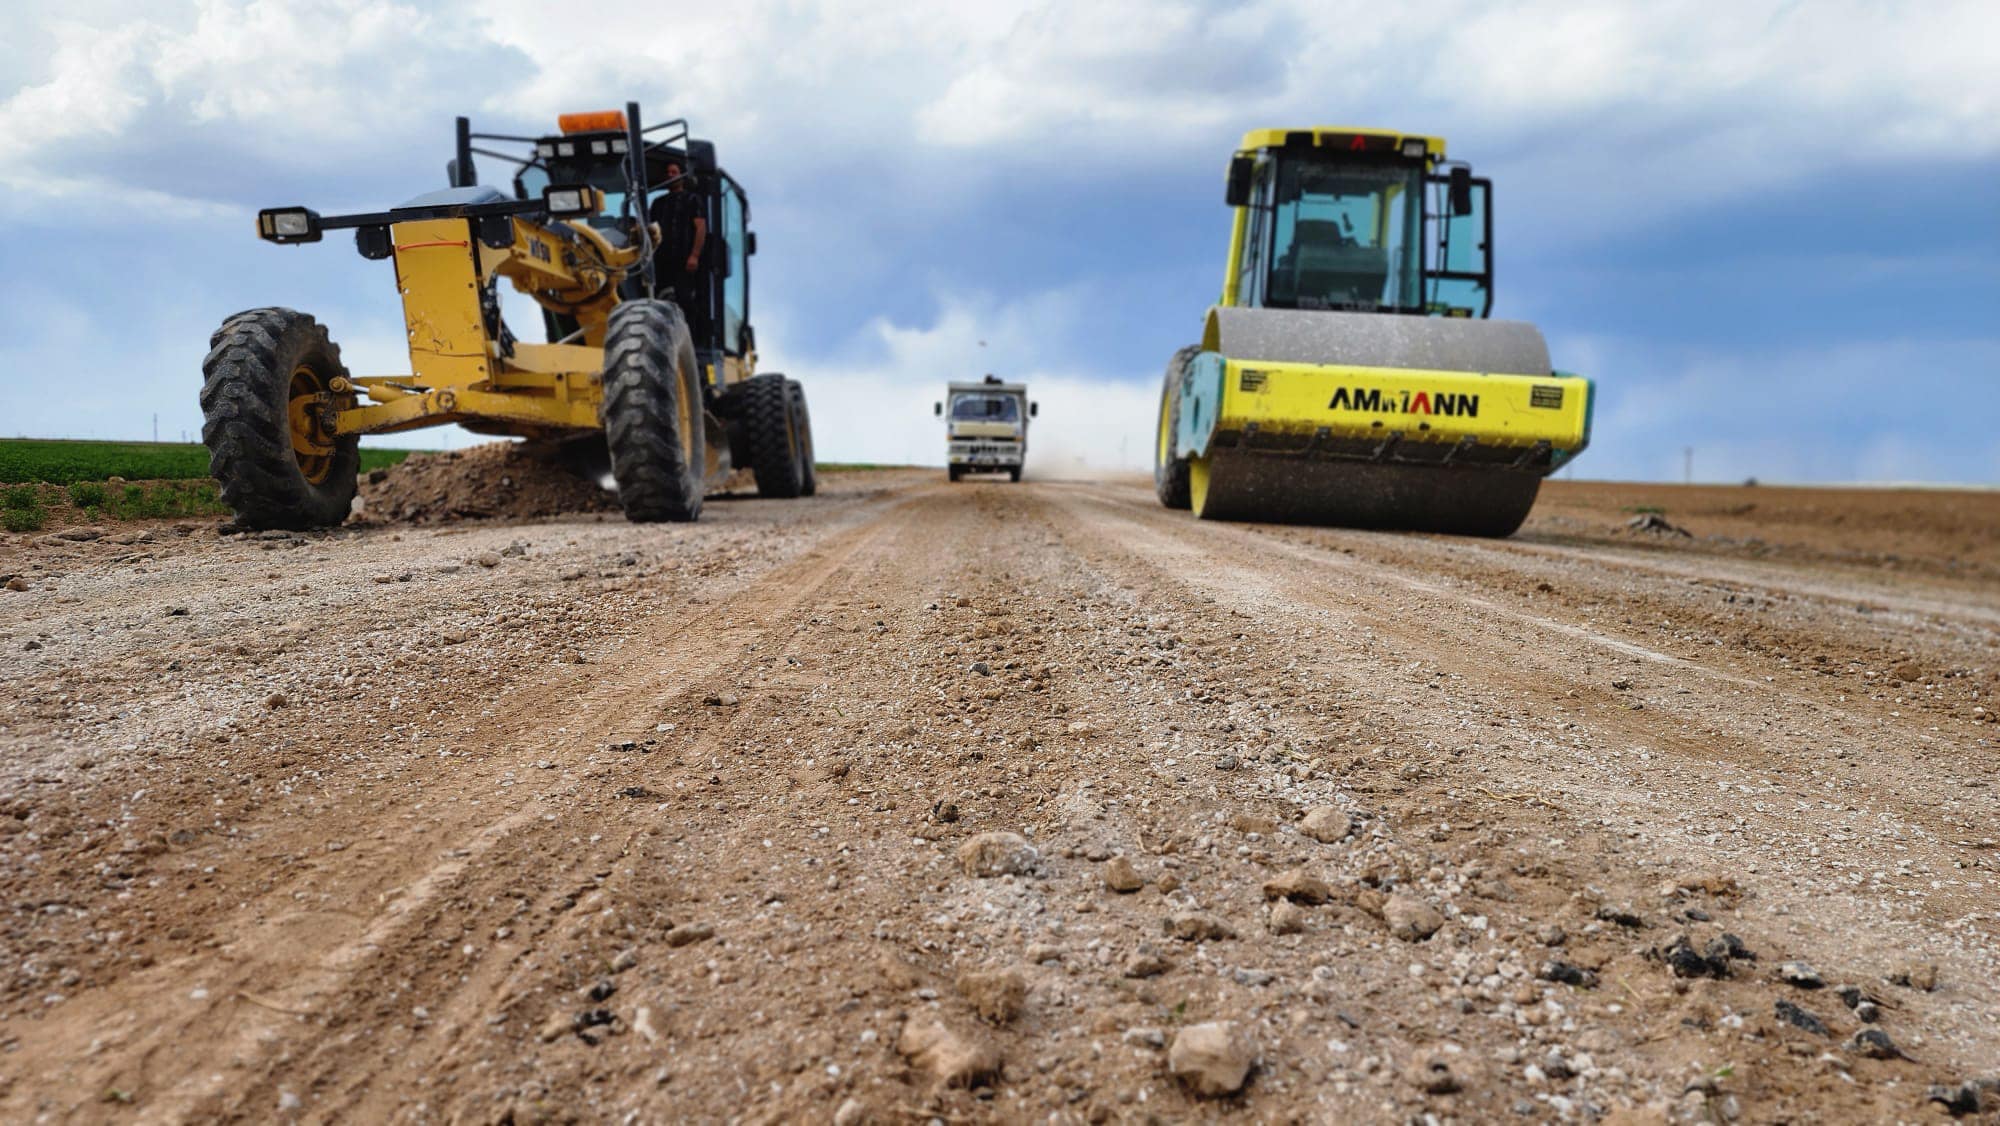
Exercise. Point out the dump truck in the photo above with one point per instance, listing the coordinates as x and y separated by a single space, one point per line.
986 427
648 368
1349 373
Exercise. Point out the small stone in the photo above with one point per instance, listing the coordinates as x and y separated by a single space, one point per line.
1326 824
1299 886
719 700
1145 1037
554 1028
1621 915
601 990
687 934
488 560
1875 1044
1197 926
1957 1101
31 646
1563 973
277 700
17 584
1120 876
951 1059
1040 952
570 574
1552 935
1799 1018
1146 962
1227 762
642 1023
1681 957
981 668
1800 975
1436 1073
996 854
1729 948
996 995
1210 1059
852 1112
1916 975
1410 918
1287 917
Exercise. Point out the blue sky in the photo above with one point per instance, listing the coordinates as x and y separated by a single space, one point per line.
1769 230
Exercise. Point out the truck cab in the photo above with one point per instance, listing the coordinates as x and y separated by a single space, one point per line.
986 427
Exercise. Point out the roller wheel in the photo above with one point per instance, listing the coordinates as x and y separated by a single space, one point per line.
772 437
653 412
1170 474
802 426
267 402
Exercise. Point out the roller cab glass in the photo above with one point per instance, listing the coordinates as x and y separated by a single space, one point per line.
985 408
1346 235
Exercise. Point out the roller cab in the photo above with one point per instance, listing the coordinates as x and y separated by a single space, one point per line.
1350 374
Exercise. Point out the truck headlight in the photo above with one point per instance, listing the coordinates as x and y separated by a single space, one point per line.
288 225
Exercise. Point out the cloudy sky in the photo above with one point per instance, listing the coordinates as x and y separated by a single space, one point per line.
1770 230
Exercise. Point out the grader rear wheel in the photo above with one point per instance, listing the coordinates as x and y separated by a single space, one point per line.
268 401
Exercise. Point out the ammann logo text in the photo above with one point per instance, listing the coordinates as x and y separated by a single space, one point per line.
1404 402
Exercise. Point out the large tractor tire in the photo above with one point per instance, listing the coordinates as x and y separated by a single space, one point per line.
768 424
267 399
1170 474
653 412
802 425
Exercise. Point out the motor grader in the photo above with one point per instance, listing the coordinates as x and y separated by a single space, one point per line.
1349 375
655 382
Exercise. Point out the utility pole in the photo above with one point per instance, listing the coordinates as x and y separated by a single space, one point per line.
156 427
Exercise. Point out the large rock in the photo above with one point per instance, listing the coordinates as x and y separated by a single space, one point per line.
996 995
1210 1059
997 854
952 1059
1410 918
1326 824
1299 886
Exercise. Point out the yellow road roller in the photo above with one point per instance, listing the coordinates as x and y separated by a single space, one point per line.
1349 374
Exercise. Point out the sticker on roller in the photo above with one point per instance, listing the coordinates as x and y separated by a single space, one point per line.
1546 395
1250 380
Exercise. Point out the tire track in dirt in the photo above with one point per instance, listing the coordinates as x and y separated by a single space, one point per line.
280 964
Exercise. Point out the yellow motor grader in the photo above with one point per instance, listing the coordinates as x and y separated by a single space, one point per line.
648 365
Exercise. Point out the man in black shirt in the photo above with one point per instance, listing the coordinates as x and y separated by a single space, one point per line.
683 237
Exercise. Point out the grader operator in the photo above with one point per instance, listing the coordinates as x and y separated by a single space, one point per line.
659 381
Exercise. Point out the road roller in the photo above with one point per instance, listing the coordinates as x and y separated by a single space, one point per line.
1351 374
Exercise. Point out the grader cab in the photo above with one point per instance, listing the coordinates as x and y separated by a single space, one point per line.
657 380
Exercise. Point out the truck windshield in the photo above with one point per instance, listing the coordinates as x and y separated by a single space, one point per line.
985 408
1347 236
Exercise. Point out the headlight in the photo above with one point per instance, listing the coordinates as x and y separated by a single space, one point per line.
288 225
1415 148
566 202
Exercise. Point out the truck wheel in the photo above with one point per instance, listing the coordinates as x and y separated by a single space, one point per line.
773 440
1170 474
652 412
802 425
267 400
1015 473
954 472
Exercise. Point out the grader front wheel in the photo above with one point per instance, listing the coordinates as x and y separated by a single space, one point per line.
268 401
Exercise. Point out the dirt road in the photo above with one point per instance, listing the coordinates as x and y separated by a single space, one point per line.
575 820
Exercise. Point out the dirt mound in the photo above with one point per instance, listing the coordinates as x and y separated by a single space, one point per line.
506 480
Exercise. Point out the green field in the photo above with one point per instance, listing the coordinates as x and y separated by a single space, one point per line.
57 462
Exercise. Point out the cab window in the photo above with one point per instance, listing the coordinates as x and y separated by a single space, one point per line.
736 273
